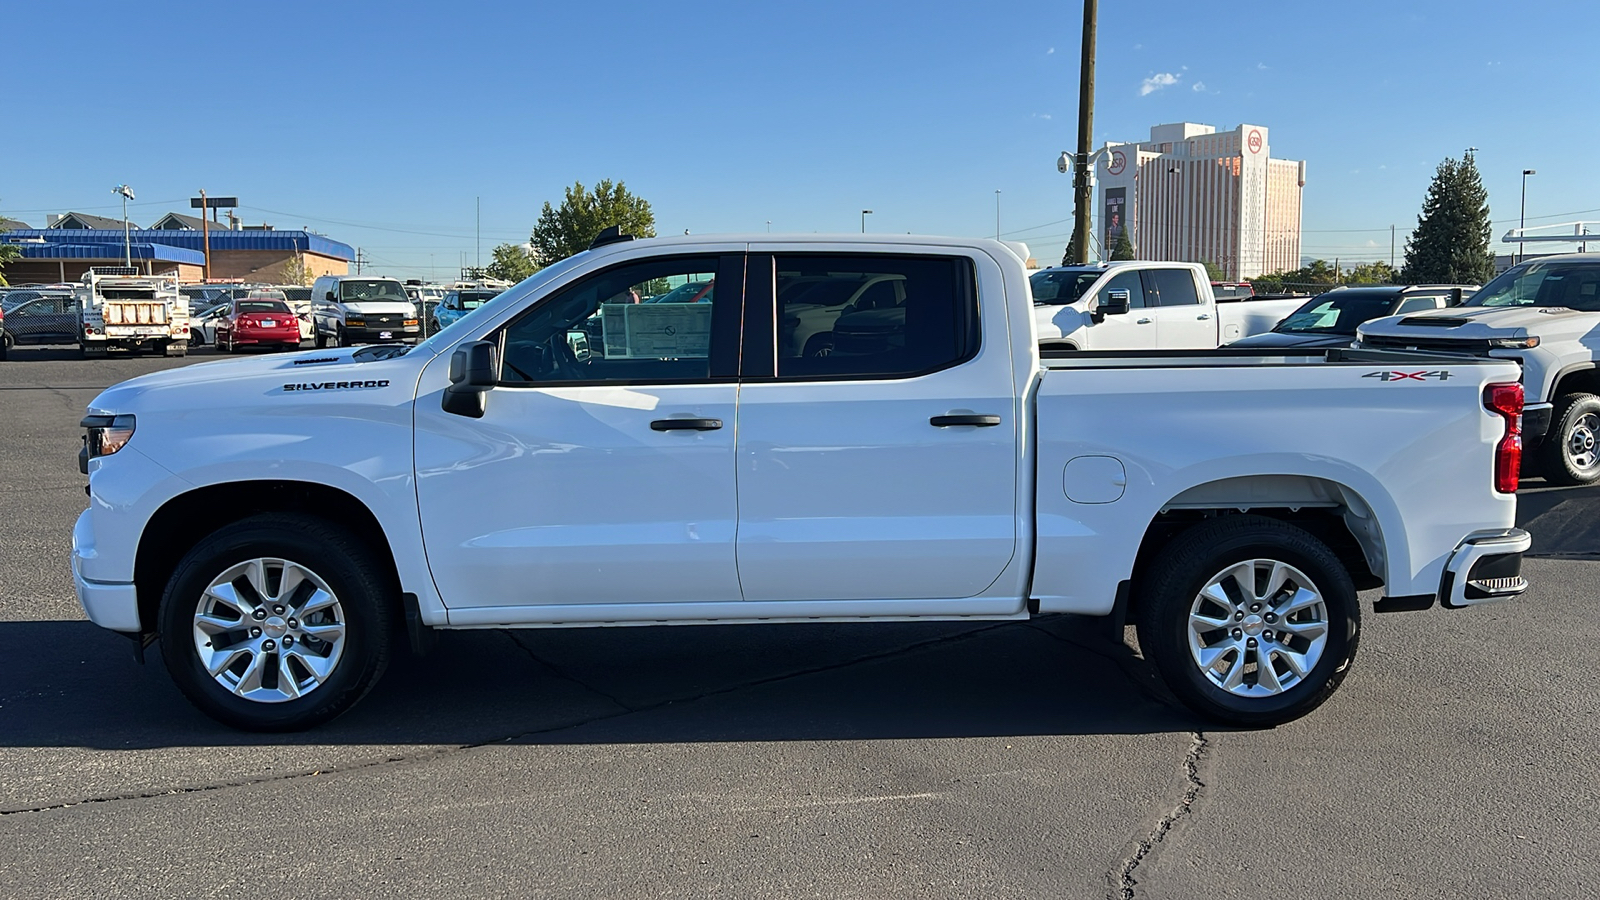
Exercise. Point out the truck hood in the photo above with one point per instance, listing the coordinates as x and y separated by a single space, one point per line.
241 382
1290 339
1476 323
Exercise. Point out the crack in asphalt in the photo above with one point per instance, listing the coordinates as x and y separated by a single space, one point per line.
447 751
558 672
1122 882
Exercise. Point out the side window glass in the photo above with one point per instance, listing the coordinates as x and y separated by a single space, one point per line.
1175 287
1130 282
1416 303
874 316
614 327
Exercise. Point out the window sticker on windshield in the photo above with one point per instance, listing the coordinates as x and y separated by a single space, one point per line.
656 331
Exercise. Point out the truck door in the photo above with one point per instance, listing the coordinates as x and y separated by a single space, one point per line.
1134 331
1182 321
887 467
602 470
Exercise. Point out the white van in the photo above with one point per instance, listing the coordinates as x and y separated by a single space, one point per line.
361 309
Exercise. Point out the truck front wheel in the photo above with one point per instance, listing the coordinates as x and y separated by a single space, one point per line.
277 622
1251 621
1571 452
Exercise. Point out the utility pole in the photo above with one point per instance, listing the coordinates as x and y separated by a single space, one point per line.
1391 247
205 235
480 234
1080 171
361 259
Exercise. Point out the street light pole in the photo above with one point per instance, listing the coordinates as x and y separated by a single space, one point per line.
1522 222
127 243
864 214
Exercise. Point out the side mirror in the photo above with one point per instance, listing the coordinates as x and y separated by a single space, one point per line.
1115 303
330 297
474 371
1455 297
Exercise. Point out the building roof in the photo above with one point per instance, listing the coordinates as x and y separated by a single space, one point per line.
179 222
110 250
13 224
223 240
74 221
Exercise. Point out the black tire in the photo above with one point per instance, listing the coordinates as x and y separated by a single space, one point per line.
1573 421
338 336
318 339
351 573
1171 591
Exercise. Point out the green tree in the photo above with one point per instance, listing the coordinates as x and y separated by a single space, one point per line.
1069 257
8 253
562 232
1214 271
511 262
1123 249
1378 272
1451 242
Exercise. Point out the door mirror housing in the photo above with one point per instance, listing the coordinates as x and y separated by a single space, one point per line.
330 298
1115 303
474 371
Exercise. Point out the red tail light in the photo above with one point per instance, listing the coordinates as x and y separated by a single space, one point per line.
1506 401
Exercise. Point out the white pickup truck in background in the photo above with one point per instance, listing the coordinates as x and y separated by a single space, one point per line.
268 519
1545 315
1144 305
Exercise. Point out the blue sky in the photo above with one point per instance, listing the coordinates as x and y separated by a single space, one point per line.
380 123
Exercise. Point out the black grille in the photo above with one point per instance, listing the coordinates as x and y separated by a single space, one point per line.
1436 345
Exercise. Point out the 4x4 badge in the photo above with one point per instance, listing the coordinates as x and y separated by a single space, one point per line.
1440 374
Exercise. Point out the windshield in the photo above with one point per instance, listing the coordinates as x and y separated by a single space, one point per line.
362 291
474 299
457 329
1062 287
1336 313
263 306
1575 285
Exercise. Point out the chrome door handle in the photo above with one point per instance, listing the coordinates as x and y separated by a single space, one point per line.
979 420
1142 322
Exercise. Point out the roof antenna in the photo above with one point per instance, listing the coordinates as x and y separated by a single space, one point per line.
610 235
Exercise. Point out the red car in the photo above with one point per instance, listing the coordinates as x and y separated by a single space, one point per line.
258 322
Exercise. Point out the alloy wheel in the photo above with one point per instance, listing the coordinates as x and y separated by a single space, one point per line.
1258 628
269 630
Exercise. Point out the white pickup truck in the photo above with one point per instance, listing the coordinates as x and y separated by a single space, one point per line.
1144 305
1545 315
269 519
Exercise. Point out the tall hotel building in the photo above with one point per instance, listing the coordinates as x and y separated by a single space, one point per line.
1194 194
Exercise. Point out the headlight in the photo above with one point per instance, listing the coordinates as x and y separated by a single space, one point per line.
103 436
355 320
1513 343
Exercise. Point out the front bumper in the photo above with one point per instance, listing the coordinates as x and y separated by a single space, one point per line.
376 333
113 606
1484 568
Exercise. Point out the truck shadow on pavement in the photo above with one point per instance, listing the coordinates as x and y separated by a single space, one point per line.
72 684
1564 521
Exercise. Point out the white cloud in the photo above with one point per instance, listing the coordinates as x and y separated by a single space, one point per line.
1158 81
1138 46
1050 51
1198 86
1041 115
1262 66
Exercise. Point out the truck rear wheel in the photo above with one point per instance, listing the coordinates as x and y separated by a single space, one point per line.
1251 621
278 622
1570 454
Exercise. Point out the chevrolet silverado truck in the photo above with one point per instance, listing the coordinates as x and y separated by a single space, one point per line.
1544 315
269 519
1144 305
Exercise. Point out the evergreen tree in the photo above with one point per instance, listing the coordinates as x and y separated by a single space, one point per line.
1451 242
566 231
1070 257
1124 247
8 253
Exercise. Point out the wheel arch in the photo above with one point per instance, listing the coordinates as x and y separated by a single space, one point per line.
185 519
1581 378
1335 513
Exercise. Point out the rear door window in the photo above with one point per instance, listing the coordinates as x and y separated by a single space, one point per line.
1174 287
873 316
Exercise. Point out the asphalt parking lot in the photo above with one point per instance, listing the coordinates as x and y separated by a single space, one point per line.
831 761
